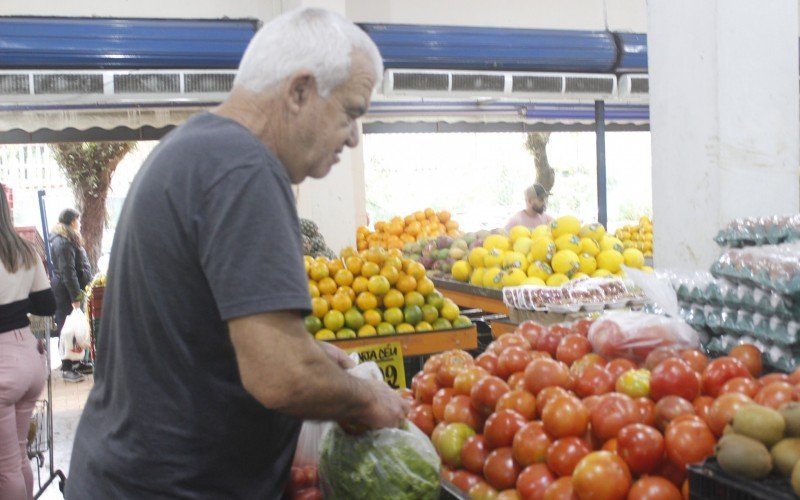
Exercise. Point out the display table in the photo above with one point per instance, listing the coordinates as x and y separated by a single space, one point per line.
501 327
420 344
466 295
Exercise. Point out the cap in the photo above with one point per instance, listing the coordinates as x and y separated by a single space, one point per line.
541 192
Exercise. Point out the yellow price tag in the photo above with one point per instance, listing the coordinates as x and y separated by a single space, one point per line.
389 358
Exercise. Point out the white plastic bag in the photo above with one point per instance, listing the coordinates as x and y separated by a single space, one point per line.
75 336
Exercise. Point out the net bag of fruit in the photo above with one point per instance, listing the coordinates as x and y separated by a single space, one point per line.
398 463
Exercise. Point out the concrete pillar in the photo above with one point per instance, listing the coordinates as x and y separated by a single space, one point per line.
336 203
725 119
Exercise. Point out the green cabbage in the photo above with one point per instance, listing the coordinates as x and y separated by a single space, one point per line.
400 464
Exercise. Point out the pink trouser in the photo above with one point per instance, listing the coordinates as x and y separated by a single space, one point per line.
23 371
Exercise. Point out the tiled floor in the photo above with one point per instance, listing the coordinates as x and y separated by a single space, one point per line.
67 403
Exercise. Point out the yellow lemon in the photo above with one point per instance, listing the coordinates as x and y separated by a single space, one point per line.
476 256
578 276
514 277
523 245
594 231
494 258
450 310
588 264
610 260
633 258
514 260
590 246
539 269
568 242
497 241
493 277
611 243
534 281
542 231
477 277
566 224
565 262
542 249
518 232
557 279
461 270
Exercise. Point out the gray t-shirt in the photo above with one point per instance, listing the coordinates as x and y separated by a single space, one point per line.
208 233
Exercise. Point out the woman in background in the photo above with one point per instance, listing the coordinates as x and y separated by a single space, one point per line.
71 274
24 288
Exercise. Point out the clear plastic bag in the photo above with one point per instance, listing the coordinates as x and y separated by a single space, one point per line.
74 337
633 335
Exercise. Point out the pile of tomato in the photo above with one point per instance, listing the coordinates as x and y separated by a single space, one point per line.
539 415
303 484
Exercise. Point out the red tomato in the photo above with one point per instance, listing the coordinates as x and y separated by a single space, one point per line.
433 364
486 392
422 417
453 363
594 381
530 330
530 444
671 472
440 400
541 373
674 377
560 489
617 367
750 356
775 395
516 381
773 377
695 358
654 488
565 453
547 394
670 408
688 442
519 400
464 480
572 348
426 388
513 359
565 416
589 359
500 469
611 445
601 475
560 329
487 361
460 409
506 341
611 414
702 405
312 493
659 354
581 326
685 490
501 427
467 378
473 454
794 378
641 446
742 385
723 409
534 480
482 491
437 433
720 371
647 411
509 495
548 342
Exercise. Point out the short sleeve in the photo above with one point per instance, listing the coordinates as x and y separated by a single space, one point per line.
249 247
40 279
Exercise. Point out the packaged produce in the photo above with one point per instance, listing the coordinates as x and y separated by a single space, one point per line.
585 294
399 463
633 335
772 267
760 231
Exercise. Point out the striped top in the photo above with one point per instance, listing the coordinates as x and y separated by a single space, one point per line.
25 291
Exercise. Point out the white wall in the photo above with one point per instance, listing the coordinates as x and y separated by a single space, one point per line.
195 9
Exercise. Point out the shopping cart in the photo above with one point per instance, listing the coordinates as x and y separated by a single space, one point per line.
40 434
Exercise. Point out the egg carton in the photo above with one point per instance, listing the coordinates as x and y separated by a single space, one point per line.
585 295
752 231
771 267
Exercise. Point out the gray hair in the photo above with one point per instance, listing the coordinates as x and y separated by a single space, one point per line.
315 40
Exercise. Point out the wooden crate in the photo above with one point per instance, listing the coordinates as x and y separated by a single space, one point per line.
470 296
419 344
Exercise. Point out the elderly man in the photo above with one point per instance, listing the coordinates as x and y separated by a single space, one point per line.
205 370
535 205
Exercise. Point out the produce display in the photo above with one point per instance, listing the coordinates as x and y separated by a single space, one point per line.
401 230
540 414
547 255
639 236
375 292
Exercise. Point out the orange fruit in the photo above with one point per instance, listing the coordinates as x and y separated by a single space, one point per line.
395 253
319 307
373 317
406 284
360 284
443 216
379 285
318 271
327 286
343 277
328 297
334 266
347 252
353 264
393 298
376 255
342 302
313 290
347 291
394 261
366 301
414 299
419 216
416 270
333 320
429 212
393 316
370 269
391 274
425 286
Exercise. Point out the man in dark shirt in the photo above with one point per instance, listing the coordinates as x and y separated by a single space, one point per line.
204 369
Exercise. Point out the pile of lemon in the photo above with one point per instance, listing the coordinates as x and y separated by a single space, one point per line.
401 230
547 255
639 237
374 292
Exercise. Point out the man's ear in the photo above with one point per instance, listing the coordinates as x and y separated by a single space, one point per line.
302 85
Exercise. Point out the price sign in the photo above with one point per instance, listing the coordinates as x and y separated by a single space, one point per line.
389 357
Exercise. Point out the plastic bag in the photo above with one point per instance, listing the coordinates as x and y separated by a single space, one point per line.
75 336
399 463
633 335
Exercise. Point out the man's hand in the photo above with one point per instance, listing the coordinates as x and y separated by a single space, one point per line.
76 305
385 408
337 355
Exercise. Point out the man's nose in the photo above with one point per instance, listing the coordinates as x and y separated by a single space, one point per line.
352 139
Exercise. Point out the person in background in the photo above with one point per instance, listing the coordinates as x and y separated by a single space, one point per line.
71 274
24 288
204 369
535 206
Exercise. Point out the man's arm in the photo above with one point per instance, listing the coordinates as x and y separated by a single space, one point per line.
286 370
